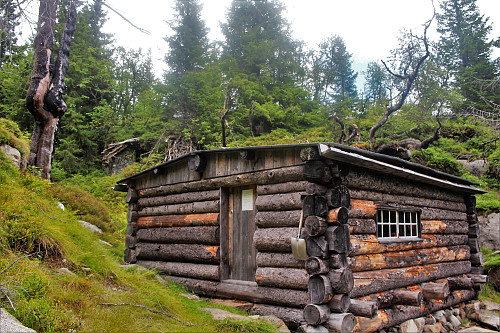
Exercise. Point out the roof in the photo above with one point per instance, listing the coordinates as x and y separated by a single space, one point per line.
355 156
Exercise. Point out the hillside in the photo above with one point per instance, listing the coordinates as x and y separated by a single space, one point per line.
56 275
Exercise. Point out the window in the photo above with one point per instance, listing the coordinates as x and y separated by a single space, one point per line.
393 223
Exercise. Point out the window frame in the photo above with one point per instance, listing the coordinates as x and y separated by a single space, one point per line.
399 211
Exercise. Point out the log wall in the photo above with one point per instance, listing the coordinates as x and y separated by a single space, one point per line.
177 225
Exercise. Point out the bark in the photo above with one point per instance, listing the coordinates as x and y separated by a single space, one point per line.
272 176
320 289
184 235
44 96
339 196
369 244
292 278
309 154
459 282
371 282
362 226
179 198
338 260
477 259
200 287
288 187
285 260
473 231
194 253
317 246
316 314
274 239
291 316
338 239
437 291
407 297
212 206
316 189
408 258
317 172
266 295
274 219
363 308
280 202
208 219
190 270
474 245
444 227
132 196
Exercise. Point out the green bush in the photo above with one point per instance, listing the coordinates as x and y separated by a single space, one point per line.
11 135
437 159
39 315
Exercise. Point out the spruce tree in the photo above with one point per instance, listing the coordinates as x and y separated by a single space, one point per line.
465 50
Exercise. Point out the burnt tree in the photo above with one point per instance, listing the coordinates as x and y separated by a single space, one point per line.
44 97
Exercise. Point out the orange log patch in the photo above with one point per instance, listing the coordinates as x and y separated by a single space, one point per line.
368 207
178 220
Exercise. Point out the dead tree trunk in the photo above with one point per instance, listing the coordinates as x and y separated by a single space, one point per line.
44 96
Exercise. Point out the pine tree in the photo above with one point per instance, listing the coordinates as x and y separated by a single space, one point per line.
464 48
376 83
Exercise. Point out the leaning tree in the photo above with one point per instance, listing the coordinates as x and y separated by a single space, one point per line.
44 98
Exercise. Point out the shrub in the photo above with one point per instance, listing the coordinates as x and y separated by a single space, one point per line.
437 159
39 315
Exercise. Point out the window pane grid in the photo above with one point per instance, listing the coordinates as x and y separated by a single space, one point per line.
397 224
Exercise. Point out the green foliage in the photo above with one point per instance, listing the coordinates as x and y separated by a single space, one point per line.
11 135
249 326
42 316
438 159
488 202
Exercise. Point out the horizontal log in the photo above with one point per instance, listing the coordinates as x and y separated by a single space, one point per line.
437 291
184 235
365 180
399 314
369 244
178 252
378 196
460 282
271 176
274 239
197 286
179 198
132 195
339 215
272 259
407 297
363 308
290 218
292 317
444 227
478 278
266 295
315 265
339 303
341 322
315 314
208 219
196 271
338 260
212 206
477 270
288 187
292 278
362 226
408 258
371 282
320 289
279 202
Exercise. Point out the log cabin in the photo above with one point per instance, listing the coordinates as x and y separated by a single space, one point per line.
387 240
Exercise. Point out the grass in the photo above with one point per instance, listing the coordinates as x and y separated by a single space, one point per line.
71 281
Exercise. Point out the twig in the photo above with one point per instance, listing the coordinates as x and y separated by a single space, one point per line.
150 310
15 261
123 17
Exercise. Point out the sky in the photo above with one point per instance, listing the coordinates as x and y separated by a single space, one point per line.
369 27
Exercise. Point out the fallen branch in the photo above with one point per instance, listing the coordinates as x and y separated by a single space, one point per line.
150 310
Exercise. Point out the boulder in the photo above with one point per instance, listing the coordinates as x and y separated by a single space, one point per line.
408 326
489 236
477 168
10 324
90 226
13 154
487 318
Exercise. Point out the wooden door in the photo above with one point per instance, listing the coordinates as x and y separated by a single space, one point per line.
237 228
